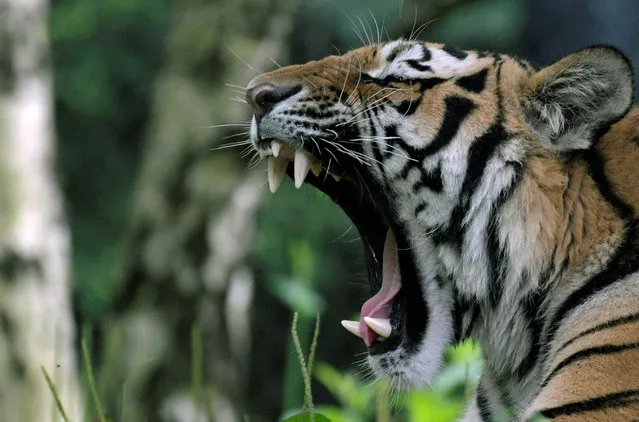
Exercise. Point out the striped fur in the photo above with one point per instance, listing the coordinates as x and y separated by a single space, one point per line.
516 193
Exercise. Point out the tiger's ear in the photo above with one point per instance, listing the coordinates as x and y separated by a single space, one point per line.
569 102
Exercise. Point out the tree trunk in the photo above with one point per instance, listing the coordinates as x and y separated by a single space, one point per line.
36 325
182 315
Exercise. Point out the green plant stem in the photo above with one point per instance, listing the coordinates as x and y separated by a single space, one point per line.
54 391
311 354
122 403
308 397
89 371
196 365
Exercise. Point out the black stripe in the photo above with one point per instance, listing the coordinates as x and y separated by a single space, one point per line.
624 262
398 49
425 53
428 179
604 326
458 54
598 173
483 405
533 309
497 263
404 173
377 152
408 107
456 111
413 296
606 349
460 307
603 402
428 83
390 132
480 152
418 66
463 306
433 179
474 316
475 82
419 208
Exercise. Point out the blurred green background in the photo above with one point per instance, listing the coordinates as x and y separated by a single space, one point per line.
185 273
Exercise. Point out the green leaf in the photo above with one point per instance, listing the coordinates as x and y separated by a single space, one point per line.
346 388
306 417
298 296
431 406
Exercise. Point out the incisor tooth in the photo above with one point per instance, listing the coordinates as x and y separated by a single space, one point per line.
276 146
352 327
381 326
302 165
276 172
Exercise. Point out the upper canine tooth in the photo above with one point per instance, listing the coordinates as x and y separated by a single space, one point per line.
276 146
352 327
381 326
302 165
276 172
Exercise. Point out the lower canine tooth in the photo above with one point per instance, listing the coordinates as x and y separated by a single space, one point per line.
316 168
352 327
381 326
302 164
276 172
336 177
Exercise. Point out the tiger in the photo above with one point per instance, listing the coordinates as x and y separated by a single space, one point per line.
496 201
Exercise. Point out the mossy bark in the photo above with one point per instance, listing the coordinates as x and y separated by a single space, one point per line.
185 267
36 324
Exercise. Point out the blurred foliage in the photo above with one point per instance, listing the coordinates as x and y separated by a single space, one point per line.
107 54
443 402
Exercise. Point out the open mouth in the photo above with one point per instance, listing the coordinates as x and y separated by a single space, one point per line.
384 324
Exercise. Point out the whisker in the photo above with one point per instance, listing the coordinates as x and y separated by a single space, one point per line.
328 168
422 27
241 88
274 62
246 151
241 59
245 133
359 78
309 81
246 124
338 238
354 27
231 145
376 26
368 39
348 71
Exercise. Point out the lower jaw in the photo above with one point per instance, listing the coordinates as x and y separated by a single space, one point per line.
369 214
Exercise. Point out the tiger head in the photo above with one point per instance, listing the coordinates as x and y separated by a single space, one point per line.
401 135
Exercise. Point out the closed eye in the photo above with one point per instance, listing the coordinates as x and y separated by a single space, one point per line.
387 80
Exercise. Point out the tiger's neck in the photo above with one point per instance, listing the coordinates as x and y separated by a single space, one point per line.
505 241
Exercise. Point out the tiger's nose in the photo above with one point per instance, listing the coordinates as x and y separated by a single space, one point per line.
265 96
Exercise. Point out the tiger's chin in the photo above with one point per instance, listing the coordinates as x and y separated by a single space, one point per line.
405 324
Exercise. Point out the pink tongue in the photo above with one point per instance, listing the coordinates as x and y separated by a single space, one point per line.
378 306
